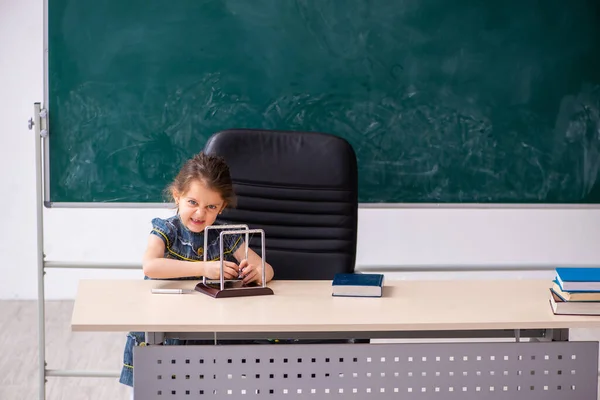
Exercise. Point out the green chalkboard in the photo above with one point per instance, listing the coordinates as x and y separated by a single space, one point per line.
444 101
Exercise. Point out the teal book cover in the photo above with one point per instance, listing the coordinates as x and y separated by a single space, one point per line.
578 279
357 285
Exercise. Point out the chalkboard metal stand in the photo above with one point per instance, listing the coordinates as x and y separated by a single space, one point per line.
36 123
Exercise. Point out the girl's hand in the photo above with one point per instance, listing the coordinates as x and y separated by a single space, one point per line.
212 270
250 273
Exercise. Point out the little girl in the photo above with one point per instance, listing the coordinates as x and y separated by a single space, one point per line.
201 191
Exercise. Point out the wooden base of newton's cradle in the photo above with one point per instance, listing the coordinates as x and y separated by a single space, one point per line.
237 292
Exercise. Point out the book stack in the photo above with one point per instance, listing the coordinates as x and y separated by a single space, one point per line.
576 291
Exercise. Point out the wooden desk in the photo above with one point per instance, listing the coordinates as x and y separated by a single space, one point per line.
307 306
306 309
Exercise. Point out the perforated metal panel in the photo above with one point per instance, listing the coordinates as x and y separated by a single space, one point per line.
552 370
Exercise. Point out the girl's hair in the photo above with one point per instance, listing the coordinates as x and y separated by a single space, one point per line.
211 170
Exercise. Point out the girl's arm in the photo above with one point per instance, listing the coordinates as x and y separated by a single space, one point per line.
157 267
254 264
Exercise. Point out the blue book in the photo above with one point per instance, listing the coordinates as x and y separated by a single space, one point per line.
357 285
578 279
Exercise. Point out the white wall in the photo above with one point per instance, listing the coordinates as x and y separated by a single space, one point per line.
21 84
416 238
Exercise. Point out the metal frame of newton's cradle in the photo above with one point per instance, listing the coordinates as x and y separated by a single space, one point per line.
216 288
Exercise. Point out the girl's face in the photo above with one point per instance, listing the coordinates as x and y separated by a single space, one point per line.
199 206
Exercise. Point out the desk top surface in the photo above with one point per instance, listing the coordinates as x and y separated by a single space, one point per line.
307 306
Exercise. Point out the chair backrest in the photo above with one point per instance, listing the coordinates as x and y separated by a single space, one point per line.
302 189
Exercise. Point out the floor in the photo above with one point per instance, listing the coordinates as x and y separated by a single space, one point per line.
64 350
73 351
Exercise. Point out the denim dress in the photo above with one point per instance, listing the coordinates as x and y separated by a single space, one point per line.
180 244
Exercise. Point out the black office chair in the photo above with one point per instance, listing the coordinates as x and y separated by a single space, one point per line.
302 189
